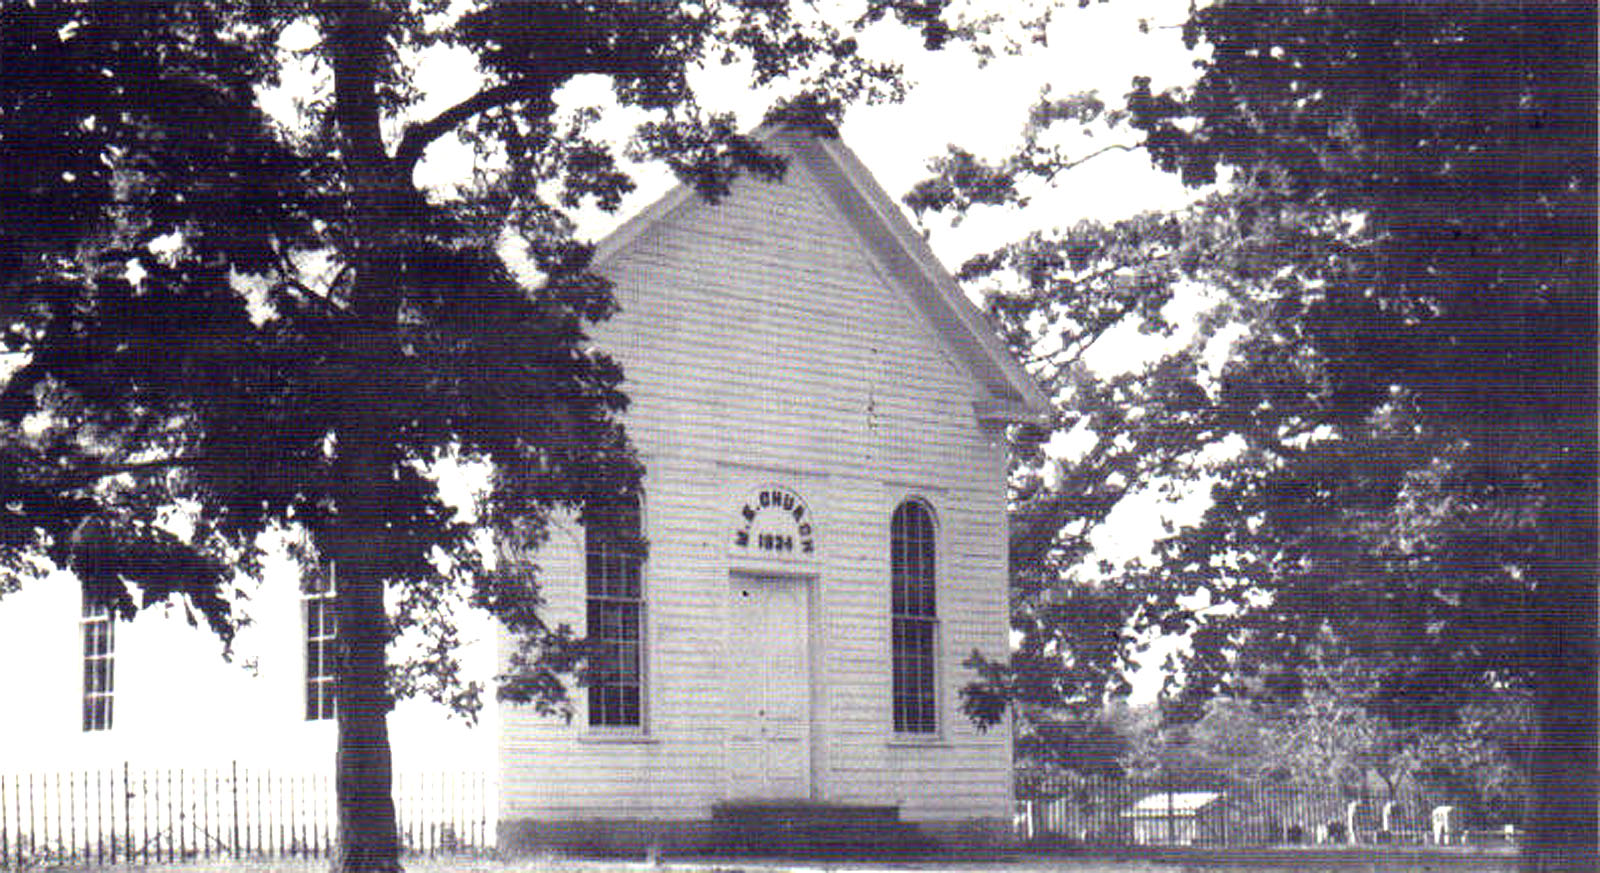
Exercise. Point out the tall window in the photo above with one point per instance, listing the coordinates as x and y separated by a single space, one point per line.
915 625
322 628
99 650
614 557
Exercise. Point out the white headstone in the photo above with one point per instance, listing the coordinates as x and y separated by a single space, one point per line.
1394 817
1358 820
1446 825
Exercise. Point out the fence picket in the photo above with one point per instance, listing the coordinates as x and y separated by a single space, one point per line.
261 822
100 817
283 835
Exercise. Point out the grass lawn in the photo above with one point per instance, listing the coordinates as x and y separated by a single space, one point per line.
1013 864
667 865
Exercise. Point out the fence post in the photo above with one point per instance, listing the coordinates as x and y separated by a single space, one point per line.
71 854
144 815
234 845
61 849
99 816
1172 839
1225 801
127 819
208 841
259 843
256 838
172 820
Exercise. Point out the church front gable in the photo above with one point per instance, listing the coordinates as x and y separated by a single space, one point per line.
763 322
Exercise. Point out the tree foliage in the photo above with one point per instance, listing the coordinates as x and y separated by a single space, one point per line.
1399 441
219 323
1327 739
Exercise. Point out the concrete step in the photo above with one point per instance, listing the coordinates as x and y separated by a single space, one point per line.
812 828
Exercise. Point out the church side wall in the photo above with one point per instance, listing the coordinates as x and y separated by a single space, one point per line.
178 703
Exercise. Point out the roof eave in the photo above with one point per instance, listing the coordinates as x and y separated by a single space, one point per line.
1023 390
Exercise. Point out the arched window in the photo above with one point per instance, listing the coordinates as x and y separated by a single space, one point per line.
614 560
912 547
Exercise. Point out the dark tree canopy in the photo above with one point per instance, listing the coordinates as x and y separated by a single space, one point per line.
1400 447
262 328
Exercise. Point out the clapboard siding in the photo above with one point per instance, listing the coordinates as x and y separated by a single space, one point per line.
764 343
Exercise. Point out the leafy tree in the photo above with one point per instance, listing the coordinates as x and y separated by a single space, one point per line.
1327 739
1402 442
218 323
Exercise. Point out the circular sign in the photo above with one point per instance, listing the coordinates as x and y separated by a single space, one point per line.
774 522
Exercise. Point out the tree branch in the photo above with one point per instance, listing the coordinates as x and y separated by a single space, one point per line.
418 136
81 477
1058 169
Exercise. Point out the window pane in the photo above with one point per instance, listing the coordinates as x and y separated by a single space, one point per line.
630 577
613 578
321 633
913 626
630 705
97 667
629 666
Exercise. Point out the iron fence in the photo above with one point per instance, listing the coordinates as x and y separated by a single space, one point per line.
134 815
1128 812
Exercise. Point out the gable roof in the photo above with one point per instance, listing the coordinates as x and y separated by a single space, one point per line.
896 246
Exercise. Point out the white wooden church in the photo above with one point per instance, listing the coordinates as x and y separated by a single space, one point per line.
822 416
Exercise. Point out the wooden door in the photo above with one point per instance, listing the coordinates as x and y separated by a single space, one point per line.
769 689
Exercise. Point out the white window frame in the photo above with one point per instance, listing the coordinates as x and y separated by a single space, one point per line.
934 730
99 666
638 727
319 622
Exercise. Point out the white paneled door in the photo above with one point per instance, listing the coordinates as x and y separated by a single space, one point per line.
769 689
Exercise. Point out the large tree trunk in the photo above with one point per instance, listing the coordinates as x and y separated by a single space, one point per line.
368 839
377 190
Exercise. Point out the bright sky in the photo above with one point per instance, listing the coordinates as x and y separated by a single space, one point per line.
953 100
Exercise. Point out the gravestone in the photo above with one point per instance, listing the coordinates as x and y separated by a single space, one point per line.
1446 825
1359 820
1395 821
